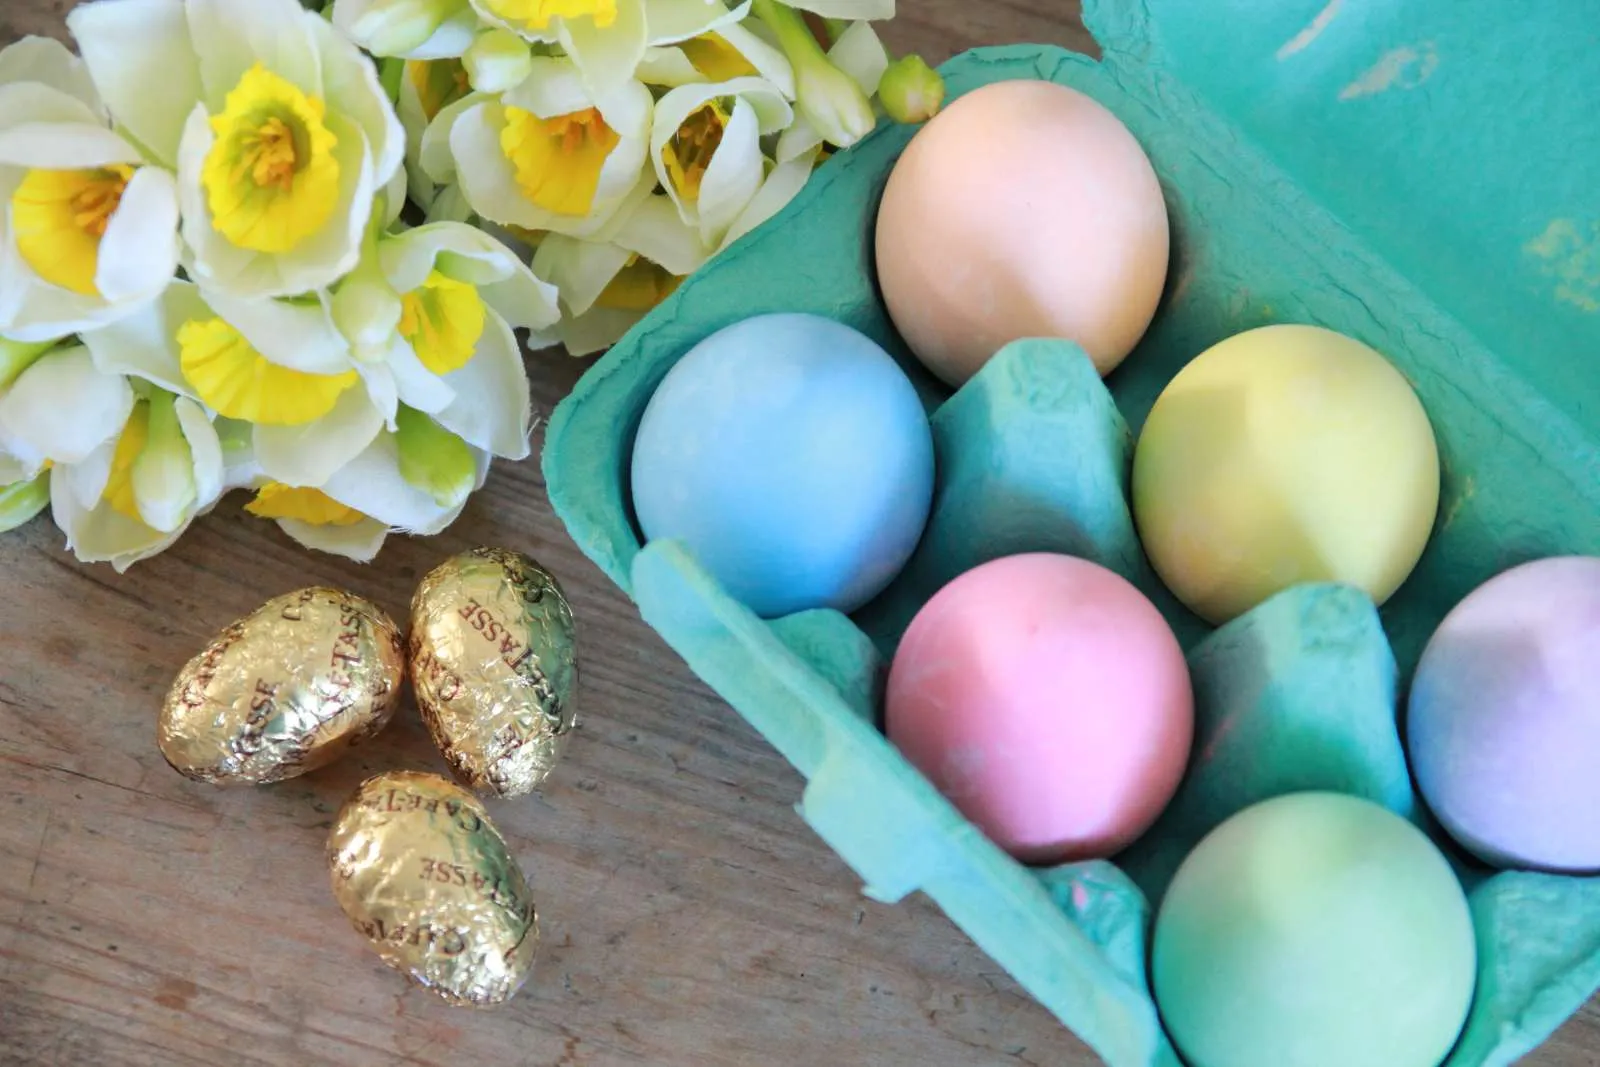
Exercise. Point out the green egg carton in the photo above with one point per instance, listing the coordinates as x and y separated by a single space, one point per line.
1419 175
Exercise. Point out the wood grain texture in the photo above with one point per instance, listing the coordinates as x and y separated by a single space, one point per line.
689 916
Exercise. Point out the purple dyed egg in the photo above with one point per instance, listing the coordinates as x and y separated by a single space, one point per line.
1504 718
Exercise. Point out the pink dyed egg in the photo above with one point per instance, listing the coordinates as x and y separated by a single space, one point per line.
1047 698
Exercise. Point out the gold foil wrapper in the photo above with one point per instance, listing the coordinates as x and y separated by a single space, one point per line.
494 667
427 879
284 690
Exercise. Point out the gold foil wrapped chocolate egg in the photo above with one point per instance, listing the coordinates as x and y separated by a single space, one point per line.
494 666
427 879
284 690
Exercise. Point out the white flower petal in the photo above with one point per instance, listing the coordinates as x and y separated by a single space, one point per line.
418 387
300 336
847 9
492 410
433 153
671 21
239 467
144 63
25 103
526 32
382 391
859 53
800 139
553 87
359 541
62 408
607 57
450 205
87 480
394 197
49 62
667 66
372 484
597 329
659 234
350 84
310 454
144 344
580 270
13 470
101 534
448 41
734 174
231 37
139 252
768 59
783 183
61 145
206 448
451 39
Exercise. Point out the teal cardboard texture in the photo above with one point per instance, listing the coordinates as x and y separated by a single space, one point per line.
1416 175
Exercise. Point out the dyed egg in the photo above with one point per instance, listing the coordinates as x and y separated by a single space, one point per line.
791 456
1503 724
1314 930
1047 699
1282 455
1024 209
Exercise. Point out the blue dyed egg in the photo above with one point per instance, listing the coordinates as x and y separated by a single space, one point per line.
792 457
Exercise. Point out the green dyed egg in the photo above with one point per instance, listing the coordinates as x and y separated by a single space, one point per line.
1314 930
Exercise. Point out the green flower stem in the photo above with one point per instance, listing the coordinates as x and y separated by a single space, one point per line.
21 501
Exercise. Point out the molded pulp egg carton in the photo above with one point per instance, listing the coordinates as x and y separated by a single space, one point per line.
1420 175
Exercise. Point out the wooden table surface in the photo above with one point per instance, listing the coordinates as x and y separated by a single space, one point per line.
689 916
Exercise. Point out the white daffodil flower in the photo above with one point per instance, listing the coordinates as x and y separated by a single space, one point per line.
452 353
280 131
706 148
728 52
142 489
607 286
409 29
355 510
88 231
832 112
548 155
607 39
130 464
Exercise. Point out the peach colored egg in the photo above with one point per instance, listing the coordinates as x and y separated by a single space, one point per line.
1049 701
1024 209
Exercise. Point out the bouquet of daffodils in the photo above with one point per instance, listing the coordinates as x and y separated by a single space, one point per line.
250 245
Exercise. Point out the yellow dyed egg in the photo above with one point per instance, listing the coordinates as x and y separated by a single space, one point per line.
1282 455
